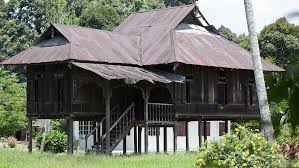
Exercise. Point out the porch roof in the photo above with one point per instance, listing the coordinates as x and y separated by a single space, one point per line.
130 74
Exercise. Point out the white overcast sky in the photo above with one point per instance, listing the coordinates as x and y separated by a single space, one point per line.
231 13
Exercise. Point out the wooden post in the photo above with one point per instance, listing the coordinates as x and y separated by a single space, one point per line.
165 139
187 136
139 139
135 139
70 132
174 139
107 95
226 126
199 132
30 135
94 124
158 139
125 145
205 130
146 94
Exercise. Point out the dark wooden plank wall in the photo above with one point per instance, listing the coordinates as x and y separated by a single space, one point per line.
204 94
43 100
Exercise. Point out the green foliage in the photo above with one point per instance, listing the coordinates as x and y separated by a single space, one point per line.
227 33
37 14
242 39
12 103
142 5
58 124
15 37
280 40
177 2
287 88
56 141
278 111
242 148
99 17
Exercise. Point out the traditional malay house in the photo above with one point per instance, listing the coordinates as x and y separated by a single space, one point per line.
155 70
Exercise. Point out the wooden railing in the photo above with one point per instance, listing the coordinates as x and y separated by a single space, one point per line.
121 125
161 112
92 131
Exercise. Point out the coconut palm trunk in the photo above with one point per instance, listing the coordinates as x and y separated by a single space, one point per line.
267 126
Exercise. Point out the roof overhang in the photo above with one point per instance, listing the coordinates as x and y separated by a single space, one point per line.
130 74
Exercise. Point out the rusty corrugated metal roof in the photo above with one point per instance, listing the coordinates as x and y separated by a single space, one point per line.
82 44
164 19
144 38
130 74
198 47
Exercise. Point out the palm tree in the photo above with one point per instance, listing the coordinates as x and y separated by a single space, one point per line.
267 126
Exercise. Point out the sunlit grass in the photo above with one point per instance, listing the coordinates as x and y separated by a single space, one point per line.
20 158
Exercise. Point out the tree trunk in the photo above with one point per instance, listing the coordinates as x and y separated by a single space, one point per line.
267 126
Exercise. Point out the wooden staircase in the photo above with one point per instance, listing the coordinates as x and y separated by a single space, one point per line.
120 127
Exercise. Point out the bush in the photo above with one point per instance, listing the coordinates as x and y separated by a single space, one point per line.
55 141
11 141
241 148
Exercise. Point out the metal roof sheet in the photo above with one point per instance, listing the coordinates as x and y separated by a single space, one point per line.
165 19
152 37
84 44
130 74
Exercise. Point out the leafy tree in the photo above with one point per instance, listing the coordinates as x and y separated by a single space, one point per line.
37 14
227 33
2 10
15 37
142 5
177 2
99 17
12 103
280 41
241 39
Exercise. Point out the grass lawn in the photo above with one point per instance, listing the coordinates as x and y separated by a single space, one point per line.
10 158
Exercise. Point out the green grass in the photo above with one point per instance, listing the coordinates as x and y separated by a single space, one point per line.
10 158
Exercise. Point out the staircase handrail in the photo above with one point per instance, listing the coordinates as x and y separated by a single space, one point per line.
97 126
119 119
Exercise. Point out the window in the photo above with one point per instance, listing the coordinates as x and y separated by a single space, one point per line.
36 90
152 131
208 128
221 128
188 89
181 128
85 127
222 88
37 83
251 92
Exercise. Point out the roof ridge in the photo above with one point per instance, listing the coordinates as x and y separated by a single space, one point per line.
165 8
93 29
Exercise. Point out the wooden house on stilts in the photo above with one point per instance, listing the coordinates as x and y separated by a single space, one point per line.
156 68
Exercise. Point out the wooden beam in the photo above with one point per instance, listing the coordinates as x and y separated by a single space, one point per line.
139 139
165 138
187 136
174 139
135 139
199 132
30 136
226 126
158 139
70 137
125 145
